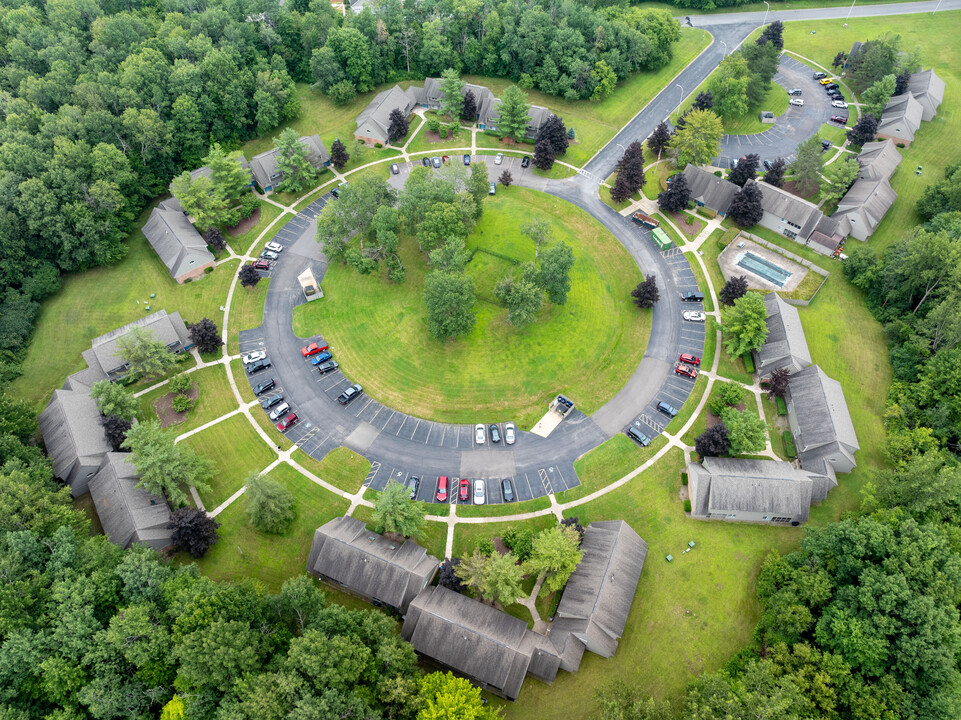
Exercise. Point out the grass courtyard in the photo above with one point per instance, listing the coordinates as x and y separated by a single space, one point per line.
496 372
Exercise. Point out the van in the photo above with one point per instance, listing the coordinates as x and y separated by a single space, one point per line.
638 437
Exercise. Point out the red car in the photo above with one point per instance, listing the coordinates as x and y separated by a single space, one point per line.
313 349
686 371
286 422
464 493
262 265
690 360
442 484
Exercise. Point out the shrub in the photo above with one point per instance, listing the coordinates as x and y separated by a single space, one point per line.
748 362
687 506
378 145
486 547
208 270
718 173
248 203
433 124
789 448
727 237
781 406
683 478
181 403
180 384
519 542
726 394
443 133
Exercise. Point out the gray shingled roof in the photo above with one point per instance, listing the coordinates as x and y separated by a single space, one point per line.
821 412
176 241
127 513
928 89
878 160
865 205
710 190
374 120
782 204
345 551
599 593
71 430
167 328
774 487
785 344
901 117
264 166
471 638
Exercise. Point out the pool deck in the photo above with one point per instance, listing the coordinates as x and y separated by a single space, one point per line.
729 267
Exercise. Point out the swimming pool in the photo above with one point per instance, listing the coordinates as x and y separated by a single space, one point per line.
763 268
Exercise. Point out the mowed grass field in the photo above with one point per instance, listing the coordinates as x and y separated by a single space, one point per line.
215 399
936 143
584 349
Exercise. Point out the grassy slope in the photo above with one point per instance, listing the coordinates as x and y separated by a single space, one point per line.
246 311
241 243
496 372
215 399
341 467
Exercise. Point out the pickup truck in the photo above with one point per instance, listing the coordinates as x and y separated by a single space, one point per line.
645 220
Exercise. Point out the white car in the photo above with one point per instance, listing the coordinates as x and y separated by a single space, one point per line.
498 158
274 247
694 316
279 411
796 101
509 433
479 494
254 356
839 104
480 434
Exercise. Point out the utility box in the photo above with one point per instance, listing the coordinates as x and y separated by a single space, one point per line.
660 239
767 117
645 220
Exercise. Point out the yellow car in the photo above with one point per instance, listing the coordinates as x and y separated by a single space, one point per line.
826 81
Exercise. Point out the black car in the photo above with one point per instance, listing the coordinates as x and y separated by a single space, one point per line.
263 387
413 484
825 145
495 434
526 161
350 394
508 488
425 162
667 409
638 437
831 86
794 91
767 164
335 193
271 400
692 297
257 365
326 367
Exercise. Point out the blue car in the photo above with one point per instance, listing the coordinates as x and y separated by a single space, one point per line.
321 357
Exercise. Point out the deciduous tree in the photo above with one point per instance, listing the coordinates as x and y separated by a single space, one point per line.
395 512
808 165
397 128
746 208
704 100
775 176
230 179
193 531
746 431
677 195
338 154
746 169
522 298
745 326
699 141
270 506
864 130
115 429
199 200
143 353
293 162
469 110
713 442
555 272
446 696
478 185
249 276
839 176
215 238
165 468
556 553
646 293
447 575
780 378
876 97
506 178
451 101
729 87
114 399
204 335
733 289
554 131
544 155
659 139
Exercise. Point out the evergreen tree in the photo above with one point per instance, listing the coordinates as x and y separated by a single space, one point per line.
478 185
808 165
746 170
646 293
397 129
775 176
659 139
734 288
746 208
677 195
451 101
554 131
544 155
249 276
513 118
338 154
704 100
293 162
468 112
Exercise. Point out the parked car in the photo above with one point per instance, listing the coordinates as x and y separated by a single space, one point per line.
320 358
263 387
269 255
798 102
312 349
286 422
819 75
685 371
337 190
279 411
495 434
442 489
463 492
435 161
525 161
498 158
425 162
794 91
826 80
257 365
493 190
262 265
480 492
766 164
838 104
509 433
271 400
413 484
825 145
480 435
695 316
832 86
394 169
253 356
445 158
667 409
507 487
467 159
839 119
688 359
350 394
692 297
637 436
275 247
733 163
329 366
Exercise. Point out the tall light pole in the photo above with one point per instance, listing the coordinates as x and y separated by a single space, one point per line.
850 10
680 99
936 7
766 12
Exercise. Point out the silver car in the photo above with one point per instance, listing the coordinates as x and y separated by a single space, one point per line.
279 411
695 316
480 434
480 496
254 356
498 158
509 432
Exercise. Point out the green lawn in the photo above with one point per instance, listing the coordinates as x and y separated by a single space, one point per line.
422 143
775 101
341 467
609 461
487 271
215 399
558 172
466 537
701 281
240 378
245 552
496 372
246 311
235 450
241 243
935 145
102 299
515 508
433 536
655 179
834 133
690 405
733 368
